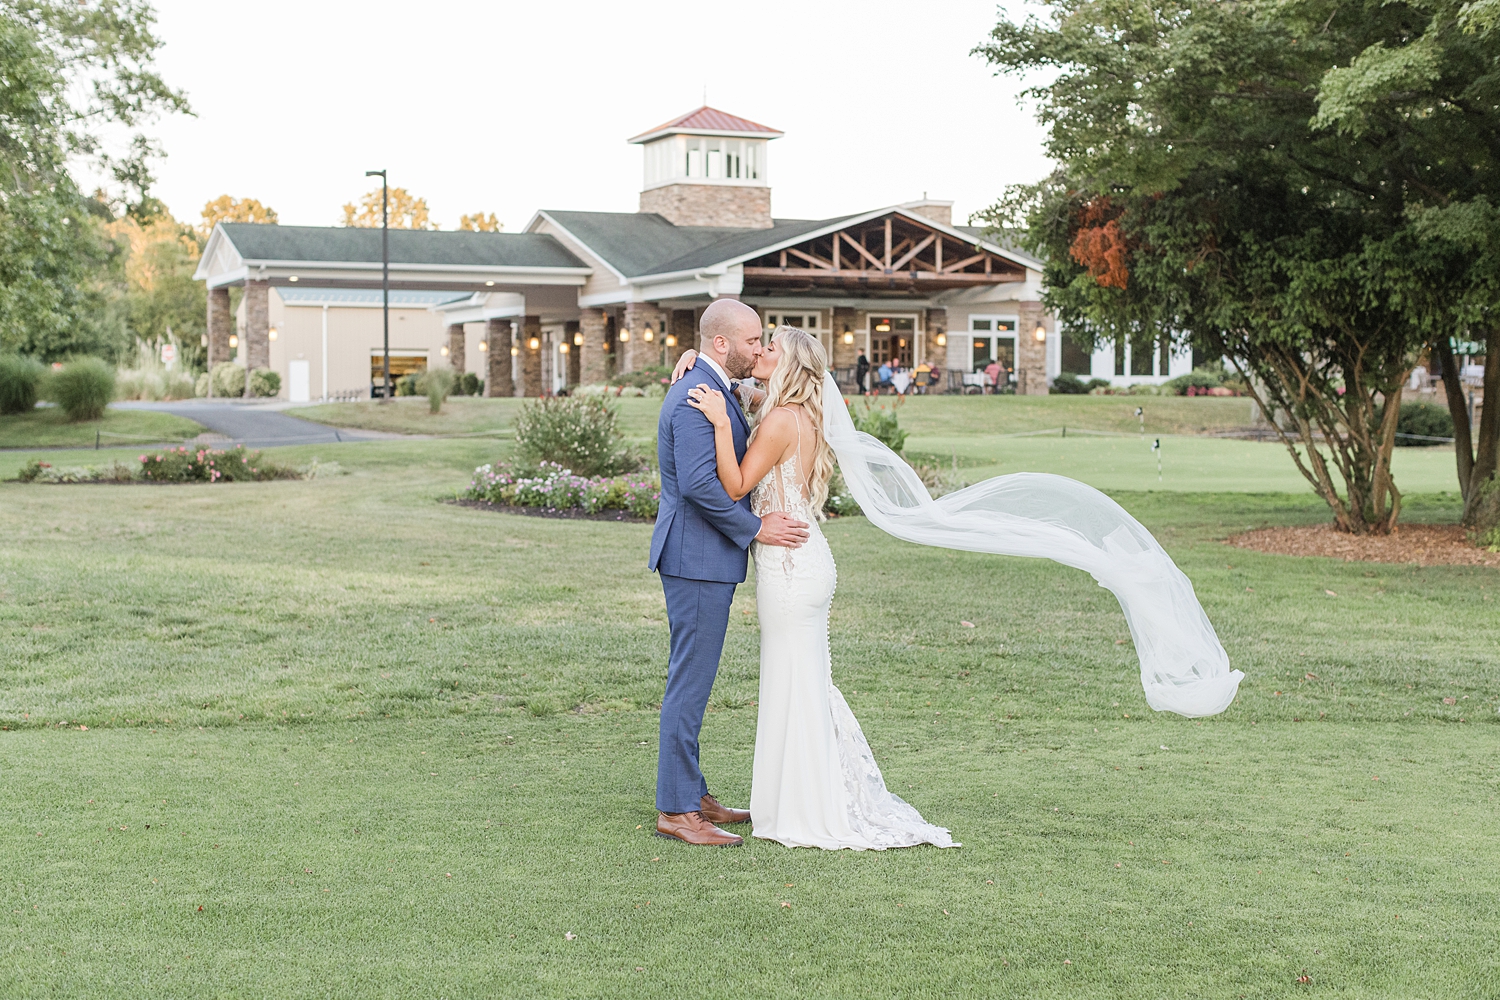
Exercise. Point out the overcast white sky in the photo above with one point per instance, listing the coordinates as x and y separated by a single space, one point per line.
510 106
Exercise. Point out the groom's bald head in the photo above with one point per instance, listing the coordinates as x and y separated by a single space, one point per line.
729 332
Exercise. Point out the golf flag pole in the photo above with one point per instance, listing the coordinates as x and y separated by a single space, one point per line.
1157 448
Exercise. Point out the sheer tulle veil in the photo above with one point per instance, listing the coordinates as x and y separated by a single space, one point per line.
1184 668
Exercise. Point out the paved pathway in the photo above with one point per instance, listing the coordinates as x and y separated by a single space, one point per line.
255 425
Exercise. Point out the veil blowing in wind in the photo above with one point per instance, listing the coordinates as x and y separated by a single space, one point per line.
1184 668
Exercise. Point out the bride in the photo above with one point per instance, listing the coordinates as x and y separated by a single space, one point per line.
816 783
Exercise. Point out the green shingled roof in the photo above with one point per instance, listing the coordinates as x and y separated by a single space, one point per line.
255 241
642 243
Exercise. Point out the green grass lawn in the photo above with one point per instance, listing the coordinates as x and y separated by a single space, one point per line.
395 748
49 427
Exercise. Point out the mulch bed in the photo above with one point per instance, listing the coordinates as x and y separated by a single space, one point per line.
572 514
1423 544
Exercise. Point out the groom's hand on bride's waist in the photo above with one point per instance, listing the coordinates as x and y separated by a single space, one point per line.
783 530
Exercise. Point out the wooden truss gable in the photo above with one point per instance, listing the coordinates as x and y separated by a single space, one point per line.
892 254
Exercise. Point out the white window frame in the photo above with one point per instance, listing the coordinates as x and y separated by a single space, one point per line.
992 337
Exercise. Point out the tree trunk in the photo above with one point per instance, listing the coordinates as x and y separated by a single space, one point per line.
1477 461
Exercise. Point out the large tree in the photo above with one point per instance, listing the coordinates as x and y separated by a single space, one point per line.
69 74
403 210
1206 192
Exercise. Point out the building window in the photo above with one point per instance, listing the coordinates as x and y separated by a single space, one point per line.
994 339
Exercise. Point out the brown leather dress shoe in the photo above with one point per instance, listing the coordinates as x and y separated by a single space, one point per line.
716 813
692 828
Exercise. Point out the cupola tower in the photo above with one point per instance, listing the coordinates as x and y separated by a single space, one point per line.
708 168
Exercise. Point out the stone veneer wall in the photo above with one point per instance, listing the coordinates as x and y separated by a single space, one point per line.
531 357
685 329
710 205
1031 360
637 352
592 360
456 347
844 319
570 329
497 379
220 326
257 324
933 352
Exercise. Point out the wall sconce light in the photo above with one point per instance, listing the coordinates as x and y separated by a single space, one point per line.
234 341
563 347
624 336
293 278
534 343
484 345
606 345
489 284
671 340
1041 333
901 342
272 333
514 351
578 339
203 340
942 340
649 335
444 352
848 336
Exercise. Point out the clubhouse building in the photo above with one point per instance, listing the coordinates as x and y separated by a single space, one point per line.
580 296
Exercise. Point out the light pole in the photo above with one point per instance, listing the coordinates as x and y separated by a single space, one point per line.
385 281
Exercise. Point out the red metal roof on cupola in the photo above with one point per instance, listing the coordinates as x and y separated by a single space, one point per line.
710 120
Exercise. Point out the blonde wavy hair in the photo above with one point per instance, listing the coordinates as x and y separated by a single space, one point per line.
798 381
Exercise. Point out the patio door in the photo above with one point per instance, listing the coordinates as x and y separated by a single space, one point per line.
893 338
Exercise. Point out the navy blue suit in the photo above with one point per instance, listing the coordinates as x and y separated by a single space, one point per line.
699 547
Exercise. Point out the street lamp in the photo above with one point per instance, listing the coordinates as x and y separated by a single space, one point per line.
385 281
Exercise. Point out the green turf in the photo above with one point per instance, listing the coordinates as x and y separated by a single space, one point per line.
49 427
447 716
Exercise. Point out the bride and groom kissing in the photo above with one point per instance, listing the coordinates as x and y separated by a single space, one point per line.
742 471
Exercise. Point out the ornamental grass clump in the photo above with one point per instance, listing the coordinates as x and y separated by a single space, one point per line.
556 488
20 383
574 432
208 465
83 388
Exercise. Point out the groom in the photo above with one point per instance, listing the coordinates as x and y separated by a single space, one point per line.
699 549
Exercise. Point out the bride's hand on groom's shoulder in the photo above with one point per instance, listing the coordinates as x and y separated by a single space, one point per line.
710 402
683 364
781 529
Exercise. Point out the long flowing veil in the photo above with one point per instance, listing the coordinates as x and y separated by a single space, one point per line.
1184 669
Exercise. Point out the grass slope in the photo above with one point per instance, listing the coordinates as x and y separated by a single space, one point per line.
49 427
419 765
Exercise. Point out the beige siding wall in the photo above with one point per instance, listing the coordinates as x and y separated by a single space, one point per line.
353 332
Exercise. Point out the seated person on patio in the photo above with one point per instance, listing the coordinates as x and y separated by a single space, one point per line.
992 374
884 375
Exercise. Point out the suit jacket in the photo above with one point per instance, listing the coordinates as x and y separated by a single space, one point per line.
700 533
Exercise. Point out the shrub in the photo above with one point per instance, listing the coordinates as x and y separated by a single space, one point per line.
881 423
644 378
1198 378
1068 384
468 384
406 385
205 465
574 432
1424 420
20 382
435 385
264 382
147 383
83 388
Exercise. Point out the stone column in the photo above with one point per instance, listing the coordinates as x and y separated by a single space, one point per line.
635 353
1031 354
531 357
220 326
258 324
575 351
456 347
685 329
591 354
934 353
497 379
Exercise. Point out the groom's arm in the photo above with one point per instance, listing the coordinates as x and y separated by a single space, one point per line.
698 477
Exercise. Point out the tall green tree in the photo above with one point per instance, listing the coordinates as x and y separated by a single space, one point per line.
69 74
1207 193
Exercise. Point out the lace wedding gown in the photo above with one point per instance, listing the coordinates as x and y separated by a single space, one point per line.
816 783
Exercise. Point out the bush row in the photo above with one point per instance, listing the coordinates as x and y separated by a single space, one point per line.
174 465
550 486
83 388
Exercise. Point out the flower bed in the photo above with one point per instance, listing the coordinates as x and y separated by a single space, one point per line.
174 465
550 487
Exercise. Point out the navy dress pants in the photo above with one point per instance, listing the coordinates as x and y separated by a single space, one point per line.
698 613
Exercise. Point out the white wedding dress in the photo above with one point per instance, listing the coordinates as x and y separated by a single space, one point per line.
816 783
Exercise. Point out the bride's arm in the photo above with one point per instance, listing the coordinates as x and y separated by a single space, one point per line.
772 439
